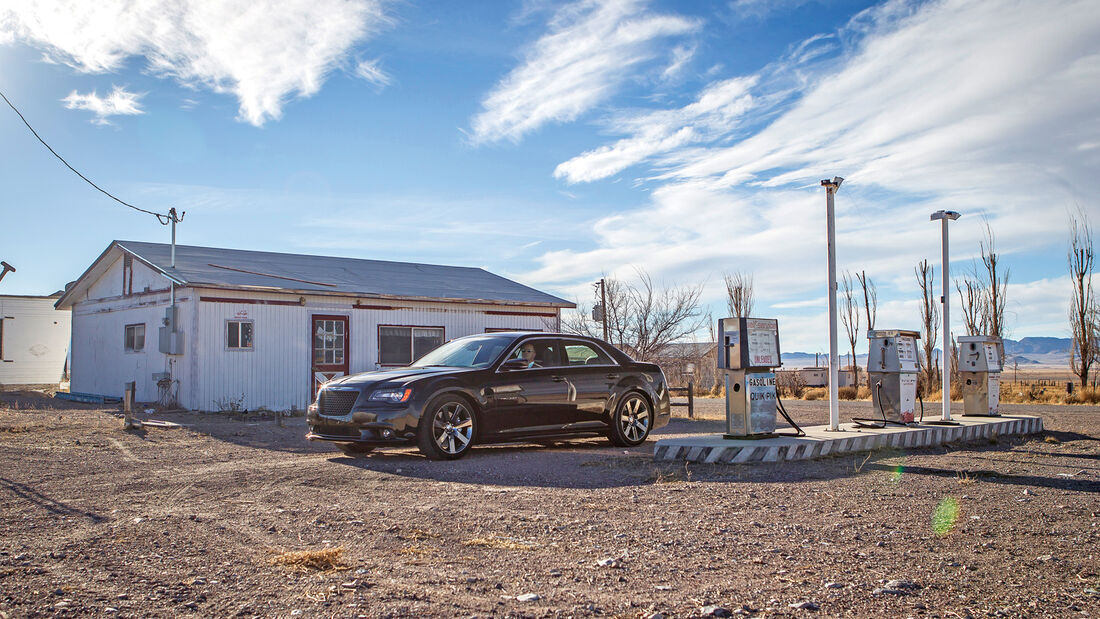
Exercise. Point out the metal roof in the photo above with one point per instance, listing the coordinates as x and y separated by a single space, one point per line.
261 270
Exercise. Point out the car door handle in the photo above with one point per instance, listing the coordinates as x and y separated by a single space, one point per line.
612 376
558 379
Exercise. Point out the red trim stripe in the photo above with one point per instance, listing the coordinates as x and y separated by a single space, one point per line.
504 313
249 301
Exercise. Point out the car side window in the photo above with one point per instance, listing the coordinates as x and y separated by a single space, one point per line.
583 353
538 353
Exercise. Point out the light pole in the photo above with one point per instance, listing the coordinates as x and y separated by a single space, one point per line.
945 300
831 188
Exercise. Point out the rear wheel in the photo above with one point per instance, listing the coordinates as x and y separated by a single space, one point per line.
355 449
447 428
631 422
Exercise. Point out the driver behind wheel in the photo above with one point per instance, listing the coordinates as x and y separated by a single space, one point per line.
527 353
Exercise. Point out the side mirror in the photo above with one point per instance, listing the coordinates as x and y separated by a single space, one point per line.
512 365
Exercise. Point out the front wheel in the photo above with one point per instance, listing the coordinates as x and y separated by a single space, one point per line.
447 428
631 422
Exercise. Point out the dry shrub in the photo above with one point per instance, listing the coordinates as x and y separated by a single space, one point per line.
814 393
1084 396
847 393
325 559
864 393
501 543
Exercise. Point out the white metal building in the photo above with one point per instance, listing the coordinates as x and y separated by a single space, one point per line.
34 340
259 329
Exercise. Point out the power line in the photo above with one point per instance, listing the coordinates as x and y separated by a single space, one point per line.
163 219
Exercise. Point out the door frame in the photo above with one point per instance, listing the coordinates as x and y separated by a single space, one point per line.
345 366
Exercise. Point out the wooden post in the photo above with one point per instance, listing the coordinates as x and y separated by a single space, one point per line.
128 405
691 400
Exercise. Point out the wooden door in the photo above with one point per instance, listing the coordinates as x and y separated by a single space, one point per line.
328 349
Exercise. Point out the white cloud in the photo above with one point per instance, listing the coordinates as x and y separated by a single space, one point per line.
118 103
715 112
922 106
260 51
370 71
591 49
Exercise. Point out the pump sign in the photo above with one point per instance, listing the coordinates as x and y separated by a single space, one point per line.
762 343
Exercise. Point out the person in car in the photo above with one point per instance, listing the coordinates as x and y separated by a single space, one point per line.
527 353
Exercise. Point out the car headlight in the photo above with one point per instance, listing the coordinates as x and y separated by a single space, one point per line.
392 396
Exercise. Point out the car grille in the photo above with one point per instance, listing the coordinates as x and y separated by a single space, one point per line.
336 403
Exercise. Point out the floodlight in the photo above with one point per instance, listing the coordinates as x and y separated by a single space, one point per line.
938 215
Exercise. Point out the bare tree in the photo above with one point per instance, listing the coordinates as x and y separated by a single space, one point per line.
870 298
975 305
1083 315
849 315
929 317
740 296
996 286
643 319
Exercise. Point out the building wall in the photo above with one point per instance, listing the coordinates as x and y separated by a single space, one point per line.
276 373
101 365
35 340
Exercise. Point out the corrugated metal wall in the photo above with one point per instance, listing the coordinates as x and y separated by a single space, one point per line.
35 341
276 373
100 363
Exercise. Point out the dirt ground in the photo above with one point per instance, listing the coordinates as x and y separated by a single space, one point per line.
98 521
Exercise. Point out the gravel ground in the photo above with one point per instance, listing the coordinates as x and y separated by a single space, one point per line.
97 521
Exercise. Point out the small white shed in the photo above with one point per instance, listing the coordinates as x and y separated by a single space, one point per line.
34 341
227 328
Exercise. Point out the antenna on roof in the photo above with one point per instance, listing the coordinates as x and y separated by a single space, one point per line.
7 267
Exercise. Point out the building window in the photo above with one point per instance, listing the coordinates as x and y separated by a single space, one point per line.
403 345
238 334
135 338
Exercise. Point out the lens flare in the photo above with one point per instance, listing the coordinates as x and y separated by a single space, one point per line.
945 515
895 473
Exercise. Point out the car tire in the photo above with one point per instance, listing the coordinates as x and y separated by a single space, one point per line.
447 428
631 421
355 449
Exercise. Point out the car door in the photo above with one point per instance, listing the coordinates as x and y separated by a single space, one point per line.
591 373
532 400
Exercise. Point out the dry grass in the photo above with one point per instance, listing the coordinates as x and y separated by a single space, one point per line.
417 550
323 560
500 543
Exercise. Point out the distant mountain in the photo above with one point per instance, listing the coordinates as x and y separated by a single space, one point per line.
1026 351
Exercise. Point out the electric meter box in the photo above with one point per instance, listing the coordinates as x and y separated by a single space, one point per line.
980 373
748 353
748 343
892 366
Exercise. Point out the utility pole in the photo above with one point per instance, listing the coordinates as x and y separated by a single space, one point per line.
831 188
603 305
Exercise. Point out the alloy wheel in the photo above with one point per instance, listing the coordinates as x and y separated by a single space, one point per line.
634 418
453 428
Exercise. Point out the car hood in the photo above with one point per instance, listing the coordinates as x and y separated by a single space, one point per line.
366 380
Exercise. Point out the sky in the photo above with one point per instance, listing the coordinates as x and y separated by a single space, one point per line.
556 143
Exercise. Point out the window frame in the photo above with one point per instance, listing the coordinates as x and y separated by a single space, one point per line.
525 340
125 334
229 348
593 345
412 340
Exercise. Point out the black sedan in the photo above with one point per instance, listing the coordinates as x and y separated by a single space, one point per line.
495 388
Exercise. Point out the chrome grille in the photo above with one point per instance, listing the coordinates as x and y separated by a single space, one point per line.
334 403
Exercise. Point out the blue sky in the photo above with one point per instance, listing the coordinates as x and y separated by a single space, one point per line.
557 142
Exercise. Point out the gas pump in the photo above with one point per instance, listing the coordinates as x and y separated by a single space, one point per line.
892 375
748 353
980 371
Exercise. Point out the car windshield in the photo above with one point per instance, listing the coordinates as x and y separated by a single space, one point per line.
467 352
